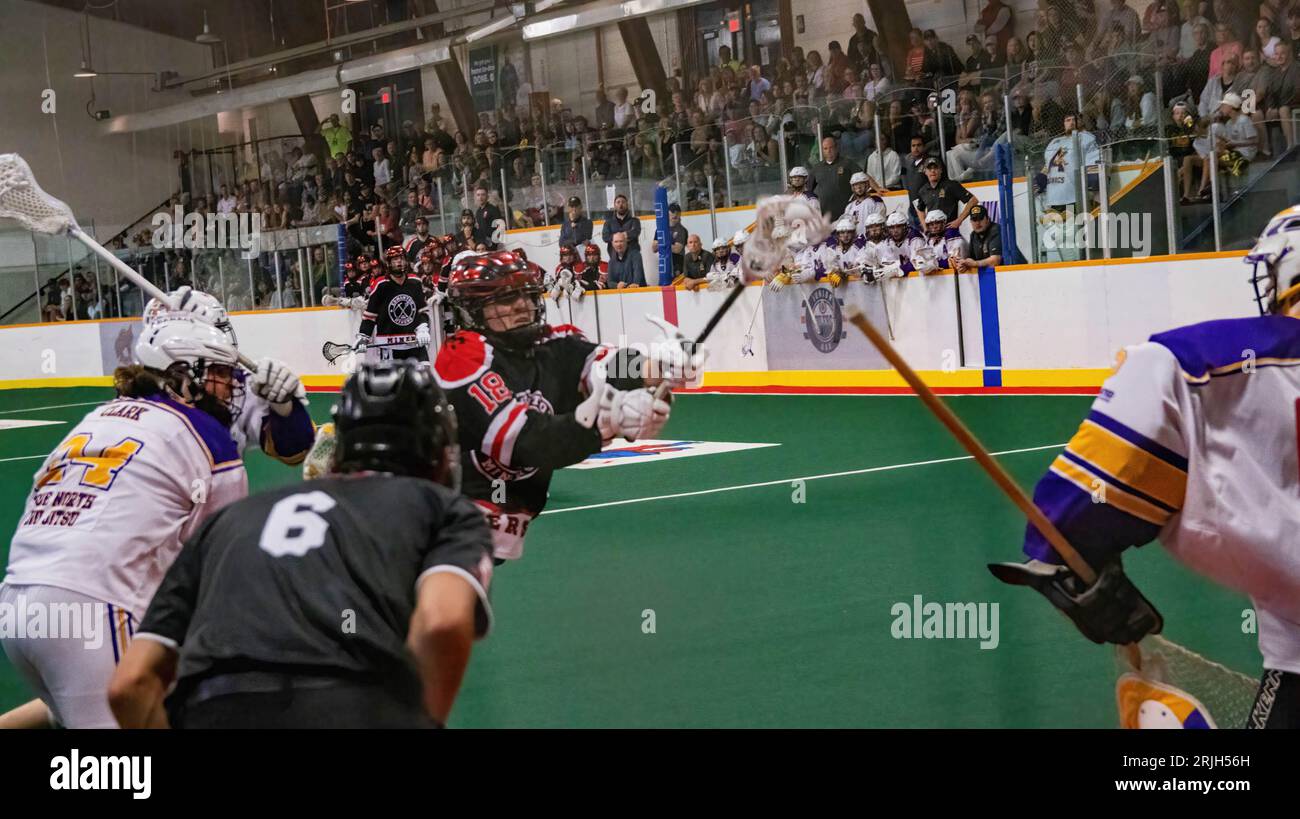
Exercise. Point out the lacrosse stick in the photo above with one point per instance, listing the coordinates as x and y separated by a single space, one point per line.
661 391
879 282
333 351
23 200
981 455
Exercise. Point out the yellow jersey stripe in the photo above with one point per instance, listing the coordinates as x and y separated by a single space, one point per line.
1129 464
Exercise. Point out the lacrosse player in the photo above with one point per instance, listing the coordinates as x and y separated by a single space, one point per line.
1195 445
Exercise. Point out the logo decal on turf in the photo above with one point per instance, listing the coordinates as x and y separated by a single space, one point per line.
621 452
823 320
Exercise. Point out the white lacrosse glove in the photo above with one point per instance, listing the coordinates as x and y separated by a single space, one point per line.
732 279
422 335
597 409
362 342
779 281
640 414
673 363
329 300
717 282
579 292
278 385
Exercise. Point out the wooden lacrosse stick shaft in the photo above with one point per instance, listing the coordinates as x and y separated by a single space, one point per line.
981 455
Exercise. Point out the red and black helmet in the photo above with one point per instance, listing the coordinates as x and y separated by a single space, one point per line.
481 279
589 250
568 255
396 258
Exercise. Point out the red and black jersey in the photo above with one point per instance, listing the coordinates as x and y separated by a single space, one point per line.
359 286
394 309
514 409
413 245
592 277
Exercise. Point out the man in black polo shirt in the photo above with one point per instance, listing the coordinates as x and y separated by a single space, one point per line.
985 241
352 600
938 193
486 215
832 179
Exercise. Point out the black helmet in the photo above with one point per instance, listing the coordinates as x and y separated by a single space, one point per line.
393 417
484 278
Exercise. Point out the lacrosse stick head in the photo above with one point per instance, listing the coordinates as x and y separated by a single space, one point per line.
22 200
780 221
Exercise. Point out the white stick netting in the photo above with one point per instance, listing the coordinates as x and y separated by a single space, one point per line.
778 221
1229 695
22 200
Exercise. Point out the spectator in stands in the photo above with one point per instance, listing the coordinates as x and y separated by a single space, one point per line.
1239 24
757 84
1230 79
310 213
912 173
621 220
985 242
877 84
836 62
725 60
1292 27
942 62
888 171
1136 110
996 20
830 178
695 265
1118 14
979 65
754 158
226 203
624 111
816 76
1265 38
337 137
862 36
486 215
576 229
939 193
1224 44
1235 141
625 266
914 68
1280 95
604 108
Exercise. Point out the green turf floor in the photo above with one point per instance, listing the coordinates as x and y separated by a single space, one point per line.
770 612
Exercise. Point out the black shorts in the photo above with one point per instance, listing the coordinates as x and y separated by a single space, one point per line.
298 702
1277 702
417 353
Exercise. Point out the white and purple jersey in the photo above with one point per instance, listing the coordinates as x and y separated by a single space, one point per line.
112 504
948 248
858 210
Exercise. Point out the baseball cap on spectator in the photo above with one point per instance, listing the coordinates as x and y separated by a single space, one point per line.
674 208
932 162
1231 98
1136 79
979 212
575 202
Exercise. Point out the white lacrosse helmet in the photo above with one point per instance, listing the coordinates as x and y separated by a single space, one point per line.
799 170
845 225
719 244
873 219
740 237
935 216
464 254
198 305
858 178
1278 252
895 219
183 340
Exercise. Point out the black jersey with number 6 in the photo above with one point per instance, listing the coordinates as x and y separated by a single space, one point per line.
319 577
394 309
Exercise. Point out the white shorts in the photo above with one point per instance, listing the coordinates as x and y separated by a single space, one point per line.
66 645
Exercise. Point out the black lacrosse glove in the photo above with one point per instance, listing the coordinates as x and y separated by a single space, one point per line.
1112 610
